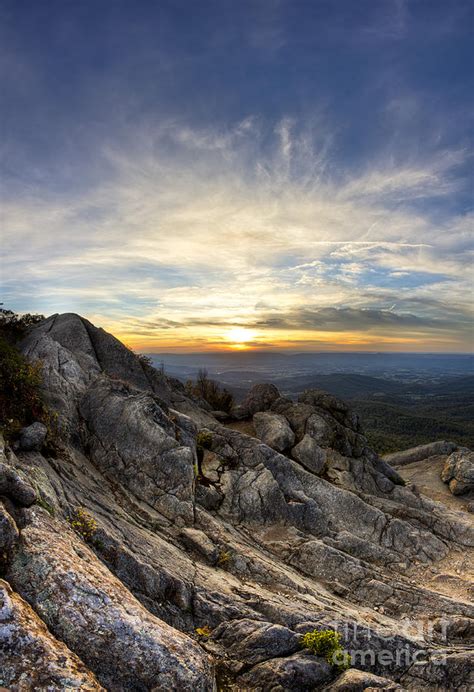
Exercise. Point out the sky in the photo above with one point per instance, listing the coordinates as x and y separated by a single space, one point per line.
199 175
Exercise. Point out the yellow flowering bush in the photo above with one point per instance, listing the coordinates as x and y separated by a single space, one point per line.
83 524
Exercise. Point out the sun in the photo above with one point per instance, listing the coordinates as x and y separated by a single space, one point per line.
239 337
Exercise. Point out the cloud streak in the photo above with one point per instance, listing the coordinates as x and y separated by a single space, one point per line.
193 227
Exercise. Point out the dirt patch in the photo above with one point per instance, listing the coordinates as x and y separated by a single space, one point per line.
453 575
243 426
426 475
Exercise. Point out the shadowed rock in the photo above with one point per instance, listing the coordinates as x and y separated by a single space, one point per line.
274 430
32 437
310 455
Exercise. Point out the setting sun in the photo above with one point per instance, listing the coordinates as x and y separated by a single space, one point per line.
239 337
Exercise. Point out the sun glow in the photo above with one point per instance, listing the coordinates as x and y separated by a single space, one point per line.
239 337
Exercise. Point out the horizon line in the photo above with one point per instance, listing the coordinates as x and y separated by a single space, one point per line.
241 353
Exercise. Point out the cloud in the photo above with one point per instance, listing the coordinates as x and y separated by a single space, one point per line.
197 228
349 319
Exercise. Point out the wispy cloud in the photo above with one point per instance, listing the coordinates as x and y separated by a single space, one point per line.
192 228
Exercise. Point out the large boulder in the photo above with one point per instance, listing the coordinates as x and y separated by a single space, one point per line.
32 437
301 671
274 430
259 398
458 472
309 454
255 641
408 456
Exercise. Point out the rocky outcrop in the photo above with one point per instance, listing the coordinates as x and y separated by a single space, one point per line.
324 418
131 438
458 472
173 579
408 456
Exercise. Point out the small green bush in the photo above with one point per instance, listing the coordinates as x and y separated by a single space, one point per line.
204 439
83 524
20 398
327 643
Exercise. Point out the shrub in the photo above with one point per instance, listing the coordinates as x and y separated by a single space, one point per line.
204 439
146 361
83 524
224 558
20 397
209 390
327 643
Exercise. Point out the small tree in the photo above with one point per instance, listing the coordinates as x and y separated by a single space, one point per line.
210 390
13 327
20 396
146 361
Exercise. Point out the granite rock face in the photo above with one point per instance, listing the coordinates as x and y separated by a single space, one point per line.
31 658
149 575
132 439
357 681
92 612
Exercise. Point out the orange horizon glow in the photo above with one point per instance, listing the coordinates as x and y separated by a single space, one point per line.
248 341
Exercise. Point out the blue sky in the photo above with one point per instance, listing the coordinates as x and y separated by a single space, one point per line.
267 173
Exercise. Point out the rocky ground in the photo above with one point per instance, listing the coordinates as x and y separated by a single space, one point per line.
124 569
